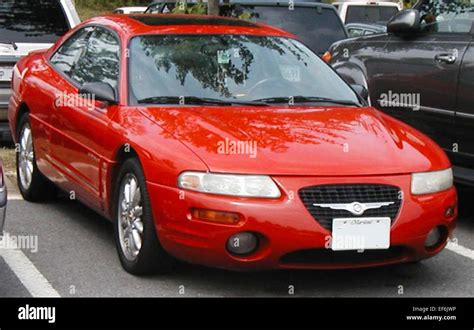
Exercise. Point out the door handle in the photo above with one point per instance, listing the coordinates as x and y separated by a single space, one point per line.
445 58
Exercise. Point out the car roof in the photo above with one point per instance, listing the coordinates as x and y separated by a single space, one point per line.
282 3
138 24
297 3
136 7
367 3
366 26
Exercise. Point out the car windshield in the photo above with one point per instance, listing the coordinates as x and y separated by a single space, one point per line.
39 21
230 68
370 14
444 16
317 27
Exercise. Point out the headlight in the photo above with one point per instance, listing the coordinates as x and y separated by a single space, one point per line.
261 186
431 182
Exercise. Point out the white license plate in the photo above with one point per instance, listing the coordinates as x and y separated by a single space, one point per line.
360 234
5 74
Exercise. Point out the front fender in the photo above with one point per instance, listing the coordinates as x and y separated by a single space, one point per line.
351 72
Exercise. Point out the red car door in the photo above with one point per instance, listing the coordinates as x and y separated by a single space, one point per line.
51 86
79 121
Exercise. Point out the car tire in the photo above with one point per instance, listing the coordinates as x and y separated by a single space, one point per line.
136 239
33 185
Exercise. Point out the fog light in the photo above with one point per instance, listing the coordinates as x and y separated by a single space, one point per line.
216 216
242 243
433 238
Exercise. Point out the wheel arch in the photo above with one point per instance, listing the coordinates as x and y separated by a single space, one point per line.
124 152
352 73
21 111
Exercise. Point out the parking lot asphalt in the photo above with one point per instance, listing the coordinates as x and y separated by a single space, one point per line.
76 257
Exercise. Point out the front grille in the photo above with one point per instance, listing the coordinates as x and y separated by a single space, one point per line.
362 193
327 256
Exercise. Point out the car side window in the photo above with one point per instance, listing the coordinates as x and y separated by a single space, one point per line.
354 32
444 17
100 61
67 56
156 9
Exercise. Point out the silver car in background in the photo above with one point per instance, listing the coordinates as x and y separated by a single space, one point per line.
25 26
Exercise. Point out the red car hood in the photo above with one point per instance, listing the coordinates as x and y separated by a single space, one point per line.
323 141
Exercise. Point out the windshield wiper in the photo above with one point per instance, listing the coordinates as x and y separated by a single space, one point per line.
11 43
307 99
196 100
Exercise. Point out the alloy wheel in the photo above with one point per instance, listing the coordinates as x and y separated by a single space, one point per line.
25 157
130 211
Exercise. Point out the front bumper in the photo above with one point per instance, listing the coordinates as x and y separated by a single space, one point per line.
3 207
5 93
290 236
5 134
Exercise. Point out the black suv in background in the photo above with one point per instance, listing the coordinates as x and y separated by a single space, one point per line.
422 72
318 25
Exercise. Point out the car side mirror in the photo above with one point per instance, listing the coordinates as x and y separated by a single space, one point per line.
99 91
361 91
405 21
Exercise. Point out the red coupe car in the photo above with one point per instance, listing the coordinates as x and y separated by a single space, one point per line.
224 143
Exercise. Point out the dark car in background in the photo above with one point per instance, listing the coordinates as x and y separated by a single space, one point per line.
156 7
318 25
421 72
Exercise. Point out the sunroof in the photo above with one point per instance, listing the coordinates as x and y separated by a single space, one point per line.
163 20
